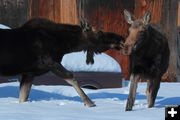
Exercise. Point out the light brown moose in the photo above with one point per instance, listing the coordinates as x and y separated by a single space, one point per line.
149 56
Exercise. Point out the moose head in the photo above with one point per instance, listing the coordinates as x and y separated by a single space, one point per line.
99 41
138 32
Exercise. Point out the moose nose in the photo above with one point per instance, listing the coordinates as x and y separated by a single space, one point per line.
126 49
121 45
126 46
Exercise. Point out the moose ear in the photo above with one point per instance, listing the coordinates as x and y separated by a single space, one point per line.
128 17
85 25
81 22
147 18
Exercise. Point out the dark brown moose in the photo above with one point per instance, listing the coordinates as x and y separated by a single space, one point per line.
149 56
39 45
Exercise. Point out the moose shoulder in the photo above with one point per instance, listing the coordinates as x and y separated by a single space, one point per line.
149 56
39 45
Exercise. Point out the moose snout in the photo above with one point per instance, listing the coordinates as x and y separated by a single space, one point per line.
117 46
127 49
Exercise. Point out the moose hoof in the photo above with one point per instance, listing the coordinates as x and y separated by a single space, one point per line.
150 102
22 100
129 105
150 105
89 103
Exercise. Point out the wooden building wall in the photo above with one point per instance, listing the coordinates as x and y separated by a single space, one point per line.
179 13
62 11
13 12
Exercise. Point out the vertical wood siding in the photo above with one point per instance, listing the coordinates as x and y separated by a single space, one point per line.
155 6
62 11
13 12
179 13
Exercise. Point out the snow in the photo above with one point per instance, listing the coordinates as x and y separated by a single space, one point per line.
76 62
4 27
63 103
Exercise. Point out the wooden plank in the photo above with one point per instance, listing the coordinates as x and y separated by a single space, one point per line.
179 13
46 9
13 12
33 9
41 8
169 23
155 6
57 10
62 11
69 11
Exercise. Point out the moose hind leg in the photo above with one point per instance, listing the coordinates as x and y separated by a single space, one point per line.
152 90
25 87
132 93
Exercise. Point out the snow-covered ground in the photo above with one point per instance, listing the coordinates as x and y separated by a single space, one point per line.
63 103
4 27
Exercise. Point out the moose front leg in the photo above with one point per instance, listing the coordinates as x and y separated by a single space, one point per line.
81 93
60 71
132 93
152 90
25 87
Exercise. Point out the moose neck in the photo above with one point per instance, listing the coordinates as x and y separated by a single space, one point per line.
108 40
143 42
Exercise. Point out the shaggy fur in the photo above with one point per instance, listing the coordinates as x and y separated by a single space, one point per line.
39 45
149 56
150 59
93 42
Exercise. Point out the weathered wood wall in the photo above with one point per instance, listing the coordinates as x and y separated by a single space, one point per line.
179 13
169 22
155 6
13 12
63 11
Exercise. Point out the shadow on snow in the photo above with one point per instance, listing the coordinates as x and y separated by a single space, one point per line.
38 95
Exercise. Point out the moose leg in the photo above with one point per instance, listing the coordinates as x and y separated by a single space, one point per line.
152 90
81 93
25 87
132 93
60 71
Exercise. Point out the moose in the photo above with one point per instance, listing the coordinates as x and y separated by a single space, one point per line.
149 52
38 46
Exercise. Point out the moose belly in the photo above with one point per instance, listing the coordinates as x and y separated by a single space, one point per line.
13 65
149 72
